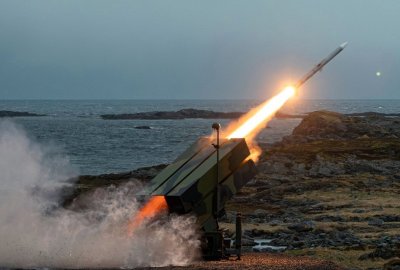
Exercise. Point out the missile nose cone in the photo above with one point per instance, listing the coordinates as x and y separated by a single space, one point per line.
344 44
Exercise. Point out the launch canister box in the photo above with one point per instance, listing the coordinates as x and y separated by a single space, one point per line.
189 184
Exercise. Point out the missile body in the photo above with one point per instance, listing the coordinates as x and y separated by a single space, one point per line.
320 65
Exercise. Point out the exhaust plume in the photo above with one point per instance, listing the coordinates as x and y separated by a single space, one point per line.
155 206
249 125
35 232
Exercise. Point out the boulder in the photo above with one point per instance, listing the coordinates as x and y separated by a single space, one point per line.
260 212
376 222
304 226
321 124
384 251
392 265
143 127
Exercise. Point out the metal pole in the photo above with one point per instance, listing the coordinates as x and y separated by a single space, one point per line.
217 186
217 127
238 239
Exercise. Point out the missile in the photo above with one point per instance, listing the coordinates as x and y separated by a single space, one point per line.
320 65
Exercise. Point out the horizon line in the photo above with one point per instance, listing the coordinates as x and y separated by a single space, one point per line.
177 99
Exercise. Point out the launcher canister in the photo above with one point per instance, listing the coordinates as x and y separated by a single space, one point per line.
189 183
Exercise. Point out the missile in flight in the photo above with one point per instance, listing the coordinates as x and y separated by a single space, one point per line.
320 65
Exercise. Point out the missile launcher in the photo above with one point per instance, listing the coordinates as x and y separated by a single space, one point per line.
189 184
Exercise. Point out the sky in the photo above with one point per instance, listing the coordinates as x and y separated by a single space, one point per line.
184 49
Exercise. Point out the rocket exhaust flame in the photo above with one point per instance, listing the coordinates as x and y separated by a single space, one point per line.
251 123
155 206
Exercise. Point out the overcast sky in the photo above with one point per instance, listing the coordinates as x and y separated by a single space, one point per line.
197 49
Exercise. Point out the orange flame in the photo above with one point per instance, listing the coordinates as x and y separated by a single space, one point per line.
255 151
254 120
154 206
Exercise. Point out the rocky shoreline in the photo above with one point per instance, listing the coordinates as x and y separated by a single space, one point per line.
187 114
329 190
207 114
18 114
174 115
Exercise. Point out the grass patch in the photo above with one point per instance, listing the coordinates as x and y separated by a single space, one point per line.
348 258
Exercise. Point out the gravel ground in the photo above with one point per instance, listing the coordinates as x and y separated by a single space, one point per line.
263 261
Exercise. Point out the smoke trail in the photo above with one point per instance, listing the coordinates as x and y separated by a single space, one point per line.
35 232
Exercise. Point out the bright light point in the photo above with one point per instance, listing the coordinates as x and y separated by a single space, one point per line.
290 89
378 74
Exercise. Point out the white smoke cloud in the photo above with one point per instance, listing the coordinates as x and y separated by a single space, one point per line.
35 232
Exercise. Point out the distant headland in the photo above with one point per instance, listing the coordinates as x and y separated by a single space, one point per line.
18 114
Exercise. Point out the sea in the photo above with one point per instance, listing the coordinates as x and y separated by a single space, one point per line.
96 146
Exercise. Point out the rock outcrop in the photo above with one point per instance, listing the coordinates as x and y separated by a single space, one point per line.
17 114
187 114
331 125
181 114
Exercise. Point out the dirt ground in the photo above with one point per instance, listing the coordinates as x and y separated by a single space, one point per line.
262 261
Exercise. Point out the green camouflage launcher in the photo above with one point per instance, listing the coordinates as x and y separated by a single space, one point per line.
189 184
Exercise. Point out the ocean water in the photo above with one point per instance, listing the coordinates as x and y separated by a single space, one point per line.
95 146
